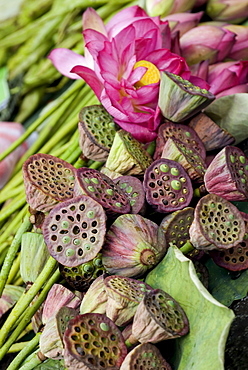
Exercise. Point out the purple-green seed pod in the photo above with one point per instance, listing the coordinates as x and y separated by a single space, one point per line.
95 299
74 230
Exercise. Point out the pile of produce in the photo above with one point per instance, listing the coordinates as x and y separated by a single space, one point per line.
123 201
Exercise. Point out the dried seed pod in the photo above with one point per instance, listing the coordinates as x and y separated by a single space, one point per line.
235 258
74 230
184 133
213 136
63 316
167 186
102 189
179 99
127 155
80 277
71 363
133 245
97 130
96 341
175 226
124 295
217 224
134 191
95 299
158 317
111 174
145 356
50 342
227 174
48 180
190 160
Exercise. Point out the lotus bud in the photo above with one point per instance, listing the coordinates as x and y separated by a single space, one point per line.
127 155
199 3
102 189
145 354
213 136
239 50
10 296
179 99
227 174
95 299
167 186
190 160
217 224
58 296
231 10
175 226
124 295
158 317
74 230
183 22
133 189
34 255
97 130
165 7
95 340
184 133
133 245
48 180
206 42
81 277
200 69
235 258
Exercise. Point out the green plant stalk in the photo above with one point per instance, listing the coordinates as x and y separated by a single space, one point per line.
14 269
12 207
4 252
81 163
26 299
74 156
96 165
13 249
31 362
187 247
24 349
18 282
6 195
13 183
28 315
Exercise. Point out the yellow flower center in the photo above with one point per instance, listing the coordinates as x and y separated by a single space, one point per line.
151 76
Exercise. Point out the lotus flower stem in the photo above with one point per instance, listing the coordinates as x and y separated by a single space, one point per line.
151 148
18 282
31 363
24 348
96 165
29 312
15 205
6 195
27 297
25 226
14 269
80 163
187 247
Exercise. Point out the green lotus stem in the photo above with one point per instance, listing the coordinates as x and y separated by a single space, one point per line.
151 148
14 182
26 298
31 362
81 163
95 165
59 151
4 252
24 348
72 158
197 193
6 195
13 249
15 205
187 247
14 269
25 331
76 86
27 317
18 282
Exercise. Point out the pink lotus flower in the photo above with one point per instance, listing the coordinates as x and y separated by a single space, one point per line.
227 10
228 78
122 65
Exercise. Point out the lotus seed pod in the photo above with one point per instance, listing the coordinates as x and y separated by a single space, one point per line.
227 174
134 191
34 255
217 224
167 186
96 341
127 155
182 132
133 245
179 99
235 258
62 317
175 226
158 317
58 296
48 180
102 189
213 136
190 160
124 295
145 356
95 299
74 230
97 130
72 363
80 277
10 296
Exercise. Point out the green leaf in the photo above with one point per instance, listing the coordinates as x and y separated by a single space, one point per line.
51 365
227 286
203 348
230 113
